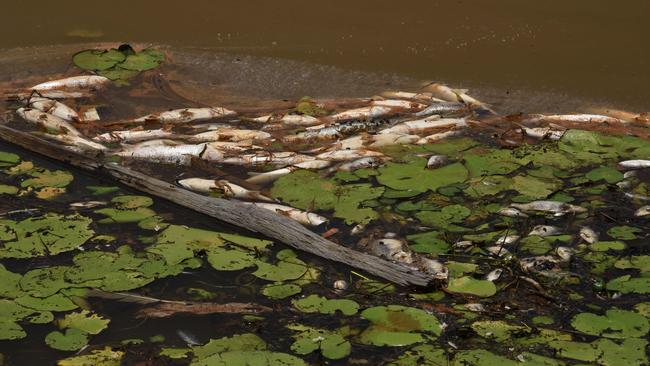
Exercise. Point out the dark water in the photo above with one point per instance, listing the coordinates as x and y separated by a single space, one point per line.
592 49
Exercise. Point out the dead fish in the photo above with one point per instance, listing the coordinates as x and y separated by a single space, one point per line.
630 174
634 164
363 113
435 268
87 204
635 196
77 141
340 285
507 239
624 115
499 251
268 177
558 208
594 118
303 217
223 186
130 136
564 253
642 212
452 95
76 82
545 230
425 97
543 133
188 338
334 131
400 104
424 125
436 161
475 307
187 115
546 265
392 249
390 139
368 162
209 126
54 108
494 275
163 151
358 229
275 158
511 212
290 120
49 94
443 109
90 115
438 136
47 121
229 134
588 234
343 155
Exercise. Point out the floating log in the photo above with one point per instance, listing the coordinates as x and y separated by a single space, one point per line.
233 212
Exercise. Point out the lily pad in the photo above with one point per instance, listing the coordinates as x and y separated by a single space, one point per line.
131 202
332 345
278 291
85 322
287 267
416 177
223 259
480 357
614 324
6 189
626 284
424 355
96 60
317 304
47 178
471 286
609 175
105 357
396 325
71 340
623 232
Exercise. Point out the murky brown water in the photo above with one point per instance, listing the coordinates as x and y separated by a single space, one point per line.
590 49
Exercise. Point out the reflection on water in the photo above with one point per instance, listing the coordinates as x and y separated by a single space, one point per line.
583 48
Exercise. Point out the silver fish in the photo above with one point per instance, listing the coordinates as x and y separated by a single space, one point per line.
77 141
588 234
634 164
511 212
290 120
392 249
642 211
343 155
424 125
368 162
187 115
223 186
545 230
47 120
49 94
130 136
229 134
436 161
334 131
167 152
188 338
438 136
452 95
595 118
80 82
543 133
361 113
88 204
564 253
424 97
549 206
400 104
303 217
268 177
54 108
435 268
507 239
276 158
443 109
494 275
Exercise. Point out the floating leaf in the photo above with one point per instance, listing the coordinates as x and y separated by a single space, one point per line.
287 267
415 177
396 325
480 357
71 340
317 304
47 178
223 259
85 322
124 216
105 357
424 355
8 159
623 232
609 175
278 291
5 189
131 202
332 345
614 324
96 60
626 284
471 286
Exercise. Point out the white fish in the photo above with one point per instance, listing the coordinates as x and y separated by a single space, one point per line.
542 133
49 94
340 285
390 139
229 134
188 338
163 151
634 164
438 136
588 234
54 108
545 230
424 125
564 253
187 115
474 307
511 212
507 239
290 120
630 174
451 95
77 141
425 97
369 162
90 115
303 217
362 113
226 188
133 135
595 118
401 104
268 177
47 120
499 251
393 249
642 211
209 126
343 155
78 82
435 268
276 158
494 275
88 204
436 161
549 206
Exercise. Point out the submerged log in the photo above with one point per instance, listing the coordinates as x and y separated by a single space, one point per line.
233 212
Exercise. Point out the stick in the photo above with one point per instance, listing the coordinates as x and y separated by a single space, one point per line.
249 217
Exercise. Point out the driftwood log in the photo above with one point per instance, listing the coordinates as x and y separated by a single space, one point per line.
248 217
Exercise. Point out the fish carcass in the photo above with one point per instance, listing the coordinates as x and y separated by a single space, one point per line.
47 121
222 186
554 207
187 115
303 217
424 125
54 108
290 120
163 151
135 135
75 82
229 134
268 177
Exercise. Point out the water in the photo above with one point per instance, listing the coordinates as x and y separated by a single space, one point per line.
581 48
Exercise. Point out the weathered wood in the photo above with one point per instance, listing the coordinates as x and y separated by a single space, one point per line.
249 217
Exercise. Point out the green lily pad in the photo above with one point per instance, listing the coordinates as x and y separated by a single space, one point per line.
428 243
10 284
497 329
8 159
118 74
105 357
5 189
223 259
145 60
96 60
471 286
452 214
85 322
609 175
278 291
416 177
396 325
424 355
614 324
102 190
124 216
71 340
238 342
56 302
317 304
131 202
332 345
629 352
639 262
480 357
626 284
47 178
287 267
623 232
